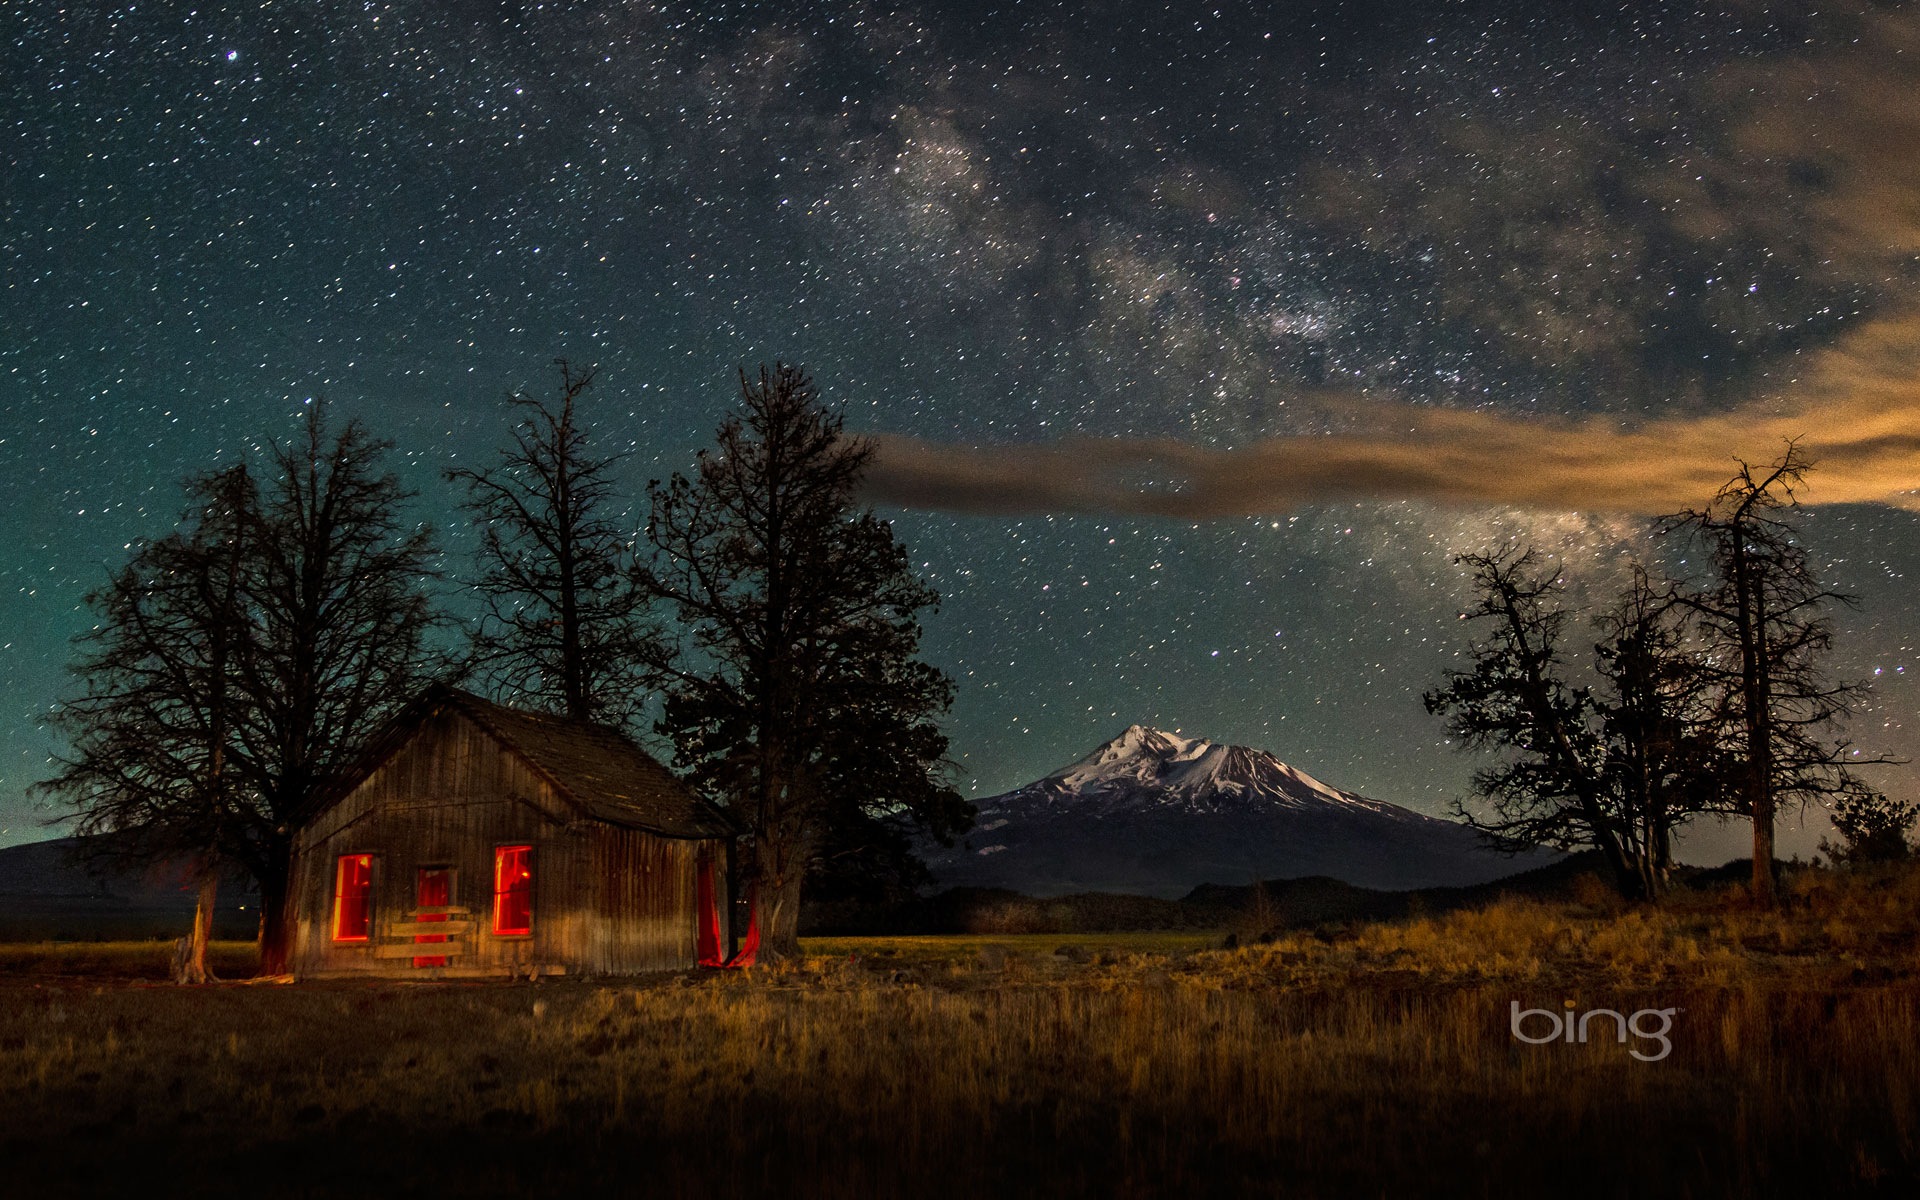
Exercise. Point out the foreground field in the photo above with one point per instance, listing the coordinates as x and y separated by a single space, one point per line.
1376 1060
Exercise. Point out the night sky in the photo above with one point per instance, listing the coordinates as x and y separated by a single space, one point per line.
1259 314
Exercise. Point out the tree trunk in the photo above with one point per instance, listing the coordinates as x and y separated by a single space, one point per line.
1607 836
1648 884
197 969
1759 789
1628 879
1660 857
190 953
777 899
1756 693
275 935
779 870
1765 894
732 929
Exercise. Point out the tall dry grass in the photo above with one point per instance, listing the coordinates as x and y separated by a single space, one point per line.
1834 930
1370 1061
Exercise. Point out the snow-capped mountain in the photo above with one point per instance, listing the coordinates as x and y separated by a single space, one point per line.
1155 813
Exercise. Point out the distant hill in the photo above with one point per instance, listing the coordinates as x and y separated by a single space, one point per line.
1267 907
1297 903
1157 814
53 890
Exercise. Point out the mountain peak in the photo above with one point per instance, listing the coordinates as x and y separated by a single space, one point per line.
1155 811
1147 765
1142 740
1137 753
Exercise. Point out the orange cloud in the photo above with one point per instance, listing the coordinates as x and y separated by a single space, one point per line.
1844 117
1857 417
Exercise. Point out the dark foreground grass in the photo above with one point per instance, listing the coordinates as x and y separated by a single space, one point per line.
1375 1061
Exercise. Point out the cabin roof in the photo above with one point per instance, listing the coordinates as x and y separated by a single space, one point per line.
596 767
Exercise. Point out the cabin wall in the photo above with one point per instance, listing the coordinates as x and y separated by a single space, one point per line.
605 899
647 906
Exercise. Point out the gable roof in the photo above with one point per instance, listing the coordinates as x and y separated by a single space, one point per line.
595 767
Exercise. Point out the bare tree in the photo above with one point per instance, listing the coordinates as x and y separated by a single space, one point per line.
241 666
1765 614
152 727
341 613
793 690
565 623
1660 719
1614 768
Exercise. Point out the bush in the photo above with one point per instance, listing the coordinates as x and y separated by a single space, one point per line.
1872 829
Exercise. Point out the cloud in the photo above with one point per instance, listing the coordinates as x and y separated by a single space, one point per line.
1841 125
1860 424
1822 151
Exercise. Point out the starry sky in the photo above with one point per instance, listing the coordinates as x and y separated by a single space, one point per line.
1196 339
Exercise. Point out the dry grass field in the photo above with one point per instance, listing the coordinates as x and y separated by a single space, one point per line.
1374 1060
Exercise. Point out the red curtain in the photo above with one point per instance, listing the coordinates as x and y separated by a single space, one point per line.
353 898
707 943
750 944
513 889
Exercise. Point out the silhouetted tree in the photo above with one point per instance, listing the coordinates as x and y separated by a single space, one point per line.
1615 769
1764 615
240 666
152 728
1660 722
565 622
793 690
1872 829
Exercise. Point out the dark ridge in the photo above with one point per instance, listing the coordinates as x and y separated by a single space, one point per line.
76 889
1268 907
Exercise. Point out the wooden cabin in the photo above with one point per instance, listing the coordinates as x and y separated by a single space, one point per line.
479 840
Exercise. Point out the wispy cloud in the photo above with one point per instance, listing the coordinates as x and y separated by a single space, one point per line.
1857 415
1836 133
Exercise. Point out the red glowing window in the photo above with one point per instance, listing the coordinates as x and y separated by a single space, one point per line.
353 898
513 889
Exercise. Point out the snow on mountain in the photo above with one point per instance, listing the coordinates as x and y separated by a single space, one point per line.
1150 766
1158 813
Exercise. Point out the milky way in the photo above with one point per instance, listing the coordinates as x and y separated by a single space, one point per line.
1031 225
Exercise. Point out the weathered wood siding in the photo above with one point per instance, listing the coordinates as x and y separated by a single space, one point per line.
606 899
647 893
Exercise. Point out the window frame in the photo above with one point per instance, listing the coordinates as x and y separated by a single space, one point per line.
500 893
365 896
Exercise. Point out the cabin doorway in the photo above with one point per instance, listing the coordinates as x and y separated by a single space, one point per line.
434 890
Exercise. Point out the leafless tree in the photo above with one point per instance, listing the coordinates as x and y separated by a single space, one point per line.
1614 767
152 728
565 623
243 663
1766 615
